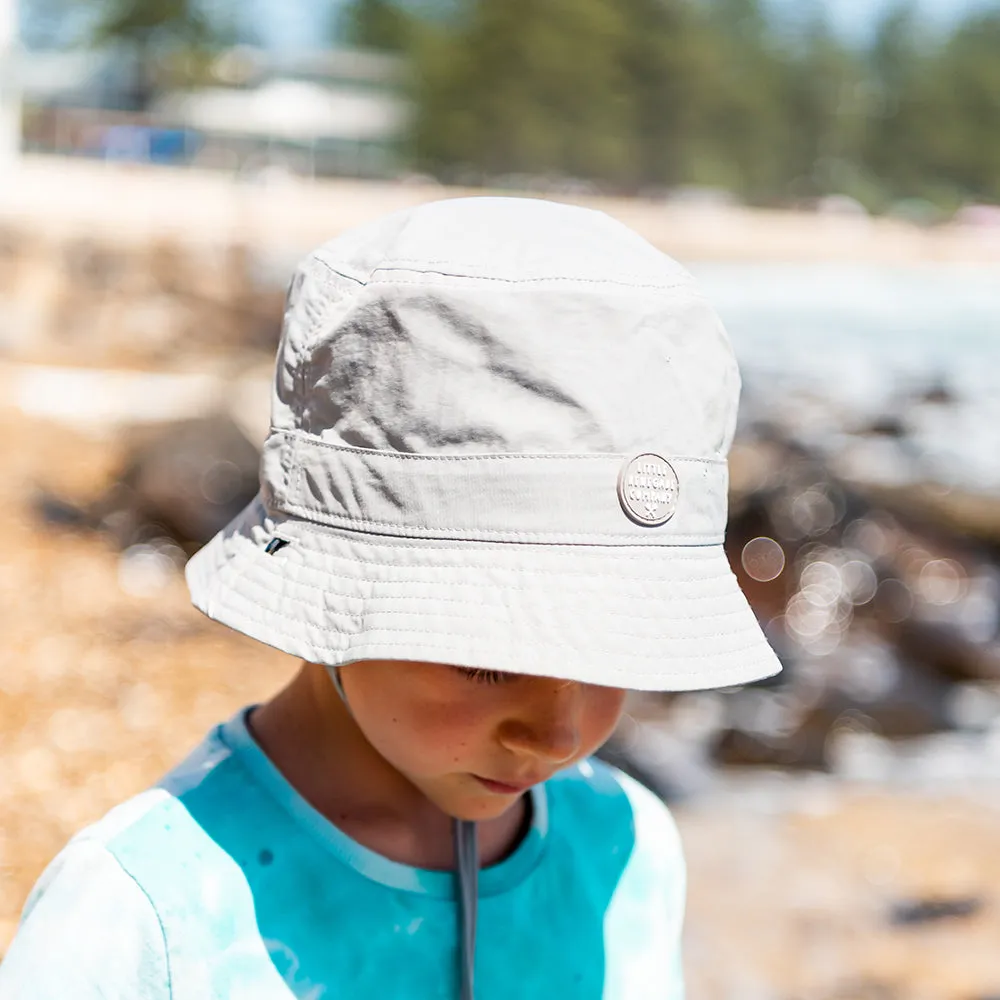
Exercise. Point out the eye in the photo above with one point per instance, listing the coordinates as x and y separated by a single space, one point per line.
484 676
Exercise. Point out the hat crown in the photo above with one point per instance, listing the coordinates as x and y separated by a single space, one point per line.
503 325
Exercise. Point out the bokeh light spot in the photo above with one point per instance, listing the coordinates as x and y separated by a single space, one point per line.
763 559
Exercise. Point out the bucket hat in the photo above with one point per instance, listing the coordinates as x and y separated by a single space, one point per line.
499 430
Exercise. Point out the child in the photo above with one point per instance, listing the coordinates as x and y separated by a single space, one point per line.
493 498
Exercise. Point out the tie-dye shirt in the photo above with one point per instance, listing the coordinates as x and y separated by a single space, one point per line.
223 883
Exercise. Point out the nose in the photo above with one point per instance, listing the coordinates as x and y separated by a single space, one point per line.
549 729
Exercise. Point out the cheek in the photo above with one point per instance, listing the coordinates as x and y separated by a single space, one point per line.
425 736
602 710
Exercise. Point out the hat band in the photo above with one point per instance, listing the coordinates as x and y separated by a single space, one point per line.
541 498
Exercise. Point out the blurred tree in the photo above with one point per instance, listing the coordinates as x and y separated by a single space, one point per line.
961 137
743 134
827 100
663 60
171 41
523 86
592 89
642 94
146 22
374 24
902 72
637 94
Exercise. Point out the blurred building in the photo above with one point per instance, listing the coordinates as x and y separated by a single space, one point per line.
10 104
336 112
332 112
78 78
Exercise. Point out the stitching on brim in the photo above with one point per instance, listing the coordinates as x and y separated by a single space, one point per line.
289 571
431 576
367 600
291 576
232 591
472 637
764 656
666 656
757 652
568 574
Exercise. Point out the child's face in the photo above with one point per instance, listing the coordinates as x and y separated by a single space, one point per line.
473 742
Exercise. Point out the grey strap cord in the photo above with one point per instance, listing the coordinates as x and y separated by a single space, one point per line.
334 673
467 873
467 864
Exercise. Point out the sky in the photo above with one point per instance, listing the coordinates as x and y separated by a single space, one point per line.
292 24
856 18
300 24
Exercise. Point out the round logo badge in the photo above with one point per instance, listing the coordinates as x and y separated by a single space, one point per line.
647 490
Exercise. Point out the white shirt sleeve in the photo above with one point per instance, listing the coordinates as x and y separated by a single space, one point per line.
643 924
88 932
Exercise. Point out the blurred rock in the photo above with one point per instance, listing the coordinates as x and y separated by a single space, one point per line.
925 911
59 512
186 480
888 425
796 732
180 484
942 647
937 393
655 778
885 613
98 301
801 750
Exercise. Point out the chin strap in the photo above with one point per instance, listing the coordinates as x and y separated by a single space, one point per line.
334 673
467 875
467 865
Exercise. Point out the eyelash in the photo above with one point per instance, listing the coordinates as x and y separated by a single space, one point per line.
483 676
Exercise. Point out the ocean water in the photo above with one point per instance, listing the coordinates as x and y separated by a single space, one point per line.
838 346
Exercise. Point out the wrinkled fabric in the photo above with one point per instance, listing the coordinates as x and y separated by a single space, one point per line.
503 325
422 363
223 884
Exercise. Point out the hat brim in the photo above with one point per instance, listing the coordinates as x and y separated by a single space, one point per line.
647 618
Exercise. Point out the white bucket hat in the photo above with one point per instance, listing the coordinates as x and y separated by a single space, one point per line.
498 439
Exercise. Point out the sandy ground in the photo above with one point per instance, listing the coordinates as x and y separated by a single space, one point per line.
102 689
797 904
87 199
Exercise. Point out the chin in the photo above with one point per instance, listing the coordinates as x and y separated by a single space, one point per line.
479 808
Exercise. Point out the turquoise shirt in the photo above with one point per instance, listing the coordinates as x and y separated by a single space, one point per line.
223 883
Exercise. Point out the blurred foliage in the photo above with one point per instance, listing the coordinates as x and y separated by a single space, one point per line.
146 21
642 95
162 44
186 36
374 24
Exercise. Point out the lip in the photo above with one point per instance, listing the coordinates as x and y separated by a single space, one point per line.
503 787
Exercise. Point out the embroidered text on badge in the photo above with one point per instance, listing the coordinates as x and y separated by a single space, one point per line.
647 489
